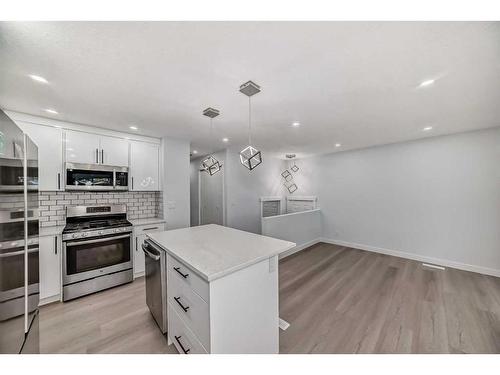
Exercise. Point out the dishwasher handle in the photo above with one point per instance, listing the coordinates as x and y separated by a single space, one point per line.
149 253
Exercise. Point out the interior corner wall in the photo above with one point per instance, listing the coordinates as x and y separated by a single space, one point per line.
434 198
244 189
176 182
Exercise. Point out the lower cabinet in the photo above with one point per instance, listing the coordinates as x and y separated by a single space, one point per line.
140 232
236 313
50 249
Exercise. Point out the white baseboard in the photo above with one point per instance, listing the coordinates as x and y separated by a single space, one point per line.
47 300
420 258
298 248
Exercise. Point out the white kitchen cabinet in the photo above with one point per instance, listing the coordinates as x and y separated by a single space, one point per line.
144 166
50 248
81 147
139 237
113 151
50 154
88 148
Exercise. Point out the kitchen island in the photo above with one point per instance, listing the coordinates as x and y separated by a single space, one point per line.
222 289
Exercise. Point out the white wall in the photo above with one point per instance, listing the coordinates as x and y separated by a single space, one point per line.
436 198
176 170
244 189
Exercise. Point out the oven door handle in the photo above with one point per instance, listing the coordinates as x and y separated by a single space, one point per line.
21 252
97 240
150 254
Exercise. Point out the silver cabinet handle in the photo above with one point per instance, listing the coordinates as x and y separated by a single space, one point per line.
102 156
55 245
132 183
145 229
58 181
97 156
136 245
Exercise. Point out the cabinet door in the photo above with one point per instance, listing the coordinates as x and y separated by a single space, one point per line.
50 157
50 266
144 166
114 151
82 147
139 263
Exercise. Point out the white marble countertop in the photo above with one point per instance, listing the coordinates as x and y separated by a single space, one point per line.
147 221
50 231
214 251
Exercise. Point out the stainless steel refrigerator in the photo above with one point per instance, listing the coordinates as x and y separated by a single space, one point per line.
19 270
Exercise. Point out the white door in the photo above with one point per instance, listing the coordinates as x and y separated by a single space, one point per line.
144 166
139 265
50 266
81 147
211 198
114 151
50 157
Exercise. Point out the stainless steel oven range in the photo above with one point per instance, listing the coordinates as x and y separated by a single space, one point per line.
97 249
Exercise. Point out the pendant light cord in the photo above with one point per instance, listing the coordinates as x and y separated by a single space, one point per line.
249 121
211 136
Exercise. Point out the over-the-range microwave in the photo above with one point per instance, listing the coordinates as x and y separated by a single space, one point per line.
95 177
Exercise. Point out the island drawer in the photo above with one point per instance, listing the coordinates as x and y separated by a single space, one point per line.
179 271
192 309
184 340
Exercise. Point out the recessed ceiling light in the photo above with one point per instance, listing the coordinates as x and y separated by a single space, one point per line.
427 128
38 78
133 127
53 111
337 145
225 139
427 83
296 124
195 152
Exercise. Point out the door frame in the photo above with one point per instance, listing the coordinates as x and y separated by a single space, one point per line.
200 172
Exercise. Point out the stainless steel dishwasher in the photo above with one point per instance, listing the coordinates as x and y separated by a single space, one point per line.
156 282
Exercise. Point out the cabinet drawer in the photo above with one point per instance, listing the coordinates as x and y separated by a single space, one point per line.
191 308
180 271
183 339
158 227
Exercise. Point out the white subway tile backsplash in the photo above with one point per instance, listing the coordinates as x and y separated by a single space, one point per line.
53 204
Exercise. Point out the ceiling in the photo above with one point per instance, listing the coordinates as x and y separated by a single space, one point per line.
353 83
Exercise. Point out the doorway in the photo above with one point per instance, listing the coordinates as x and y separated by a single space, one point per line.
211 198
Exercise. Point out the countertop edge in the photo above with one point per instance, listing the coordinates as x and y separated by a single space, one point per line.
229 271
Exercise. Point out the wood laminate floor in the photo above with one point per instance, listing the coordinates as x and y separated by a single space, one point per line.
342 300
112 321
337 300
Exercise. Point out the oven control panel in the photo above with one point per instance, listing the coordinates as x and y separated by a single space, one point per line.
96 233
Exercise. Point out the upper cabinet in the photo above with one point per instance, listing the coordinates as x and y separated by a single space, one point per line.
114 151
82 147
87 148
50 154
144 166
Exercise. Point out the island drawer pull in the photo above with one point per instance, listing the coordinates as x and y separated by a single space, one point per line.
185 308
177 338
150 228
184 275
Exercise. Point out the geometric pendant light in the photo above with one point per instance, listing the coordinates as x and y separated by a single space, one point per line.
211 165
250 157
289 182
